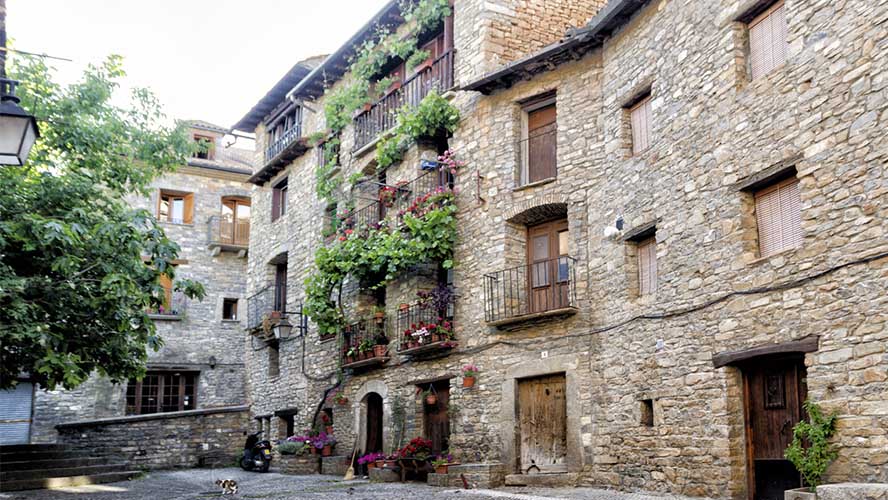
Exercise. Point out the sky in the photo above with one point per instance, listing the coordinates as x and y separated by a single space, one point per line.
204 59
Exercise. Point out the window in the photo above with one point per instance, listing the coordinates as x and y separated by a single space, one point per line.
206 147
235 223
175 207
280 287
547 258
778 217
167 284
538 143
274 359
160 392
768 40
640 122
647 412
279 200
229 309
647 266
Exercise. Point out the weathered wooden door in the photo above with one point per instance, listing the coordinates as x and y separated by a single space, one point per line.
541 151
374 423
542 423
774 390
437 419
548 278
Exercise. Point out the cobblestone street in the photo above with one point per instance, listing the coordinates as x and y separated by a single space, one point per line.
198 484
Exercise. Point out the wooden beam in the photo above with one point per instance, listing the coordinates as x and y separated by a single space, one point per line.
806 344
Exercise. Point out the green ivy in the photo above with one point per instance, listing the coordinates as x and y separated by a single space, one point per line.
434 117
327 182
810 450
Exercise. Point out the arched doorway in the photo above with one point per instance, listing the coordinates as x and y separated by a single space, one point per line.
373 442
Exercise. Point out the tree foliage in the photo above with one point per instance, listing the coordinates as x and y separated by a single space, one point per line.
79 266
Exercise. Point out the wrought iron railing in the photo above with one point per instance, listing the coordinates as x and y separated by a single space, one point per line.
530 289
383 115
364 340
427 323
174 307
223 230
268 303
289 136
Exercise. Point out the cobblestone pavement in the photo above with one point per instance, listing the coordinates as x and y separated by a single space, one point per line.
200 484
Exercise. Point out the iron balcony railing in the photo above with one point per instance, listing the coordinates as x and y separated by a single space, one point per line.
383 115
541 287
228 231
268 303
289 136
173 308
364 342
426 324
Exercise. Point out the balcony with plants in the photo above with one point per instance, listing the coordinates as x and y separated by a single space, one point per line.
173 307
364 344
267 316
426 326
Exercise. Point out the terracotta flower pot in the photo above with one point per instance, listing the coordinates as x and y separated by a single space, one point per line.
327 450
404 306
390 463
431 399
371 465
379 350
342 401
380 463
441 469
314 451
468 381
328 429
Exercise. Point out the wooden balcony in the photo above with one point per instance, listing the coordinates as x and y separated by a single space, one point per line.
289 146
225 234
382 115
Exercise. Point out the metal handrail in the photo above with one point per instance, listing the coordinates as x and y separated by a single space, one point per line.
528 289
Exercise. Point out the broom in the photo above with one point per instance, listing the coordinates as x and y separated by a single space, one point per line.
350 473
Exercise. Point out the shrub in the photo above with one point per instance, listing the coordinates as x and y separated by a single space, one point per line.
289 448
812 461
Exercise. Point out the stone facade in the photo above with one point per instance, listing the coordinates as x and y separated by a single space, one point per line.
198 339
823 111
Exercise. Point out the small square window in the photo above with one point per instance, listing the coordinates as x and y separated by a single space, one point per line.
175 207
205 147
647 412
229 309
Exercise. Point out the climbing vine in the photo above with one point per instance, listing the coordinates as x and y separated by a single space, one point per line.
433 118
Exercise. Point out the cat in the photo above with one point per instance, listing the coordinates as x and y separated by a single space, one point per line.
229 486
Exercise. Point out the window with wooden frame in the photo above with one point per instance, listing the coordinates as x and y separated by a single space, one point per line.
162 391
175 207
206 147
538 145
274 359
229 309
640 123
279 200
234 227
778 217
647 265
768 34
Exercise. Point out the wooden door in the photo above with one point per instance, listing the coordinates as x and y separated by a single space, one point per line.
437 419
541 149
542 423
774 392
547 266
374 423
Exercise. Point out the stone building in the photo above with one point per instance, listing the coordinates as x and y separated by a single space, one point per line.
671 232
204 207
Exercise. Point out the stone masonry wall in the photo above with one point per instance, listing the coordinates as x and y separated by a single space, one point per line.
824 111
190 340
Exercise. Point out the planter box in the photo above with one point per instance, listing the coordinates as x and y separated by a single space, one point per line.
298 465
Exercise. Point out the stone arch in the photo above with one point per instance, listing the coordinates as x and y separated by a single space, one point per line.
359 409
537 210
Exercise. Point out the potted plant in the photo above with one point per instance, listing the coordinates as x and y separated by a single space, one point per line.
430 396
328 425
350 355
365 348
340 399
441 462
324 443
379 314
381 347
403 307
418 448
469 372
370 459
810 450
391 460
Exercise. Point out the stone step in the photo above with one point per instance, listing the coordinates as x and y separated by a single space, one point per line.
543 480
17 448
56 463
26 455
85 470
61 482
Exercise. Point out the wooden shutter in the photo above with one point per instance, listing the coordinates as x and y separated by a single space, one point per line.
640 121
167 285
541 143
778 215
647 266
768 40
275 204
188 212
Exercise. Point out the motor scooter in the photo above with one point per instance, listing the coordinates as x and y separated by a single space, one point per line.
257 454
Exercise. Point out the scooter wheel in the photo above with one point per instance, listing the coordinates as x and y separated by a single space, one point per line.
265 465
246 463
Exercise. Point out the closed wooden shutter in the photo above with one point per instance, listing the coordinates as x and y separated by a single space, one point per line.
778 215
541 133
167 285
275 204
768 35
647 266
640 121
188 215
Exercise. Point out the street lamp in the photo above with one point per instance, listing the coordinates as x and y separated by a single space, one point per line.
18 129
282 329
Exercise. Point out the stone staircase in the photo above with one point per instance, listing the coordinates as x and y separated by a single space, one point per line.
38 466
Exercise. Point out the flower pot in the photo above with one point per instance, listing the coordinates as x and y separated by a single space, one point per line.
431 399
328 429
390 463
380 463
441 469
404 307
327 450
468 381
413 344
275 315
800 494
379 350
314 451
371 465
362 356
342 401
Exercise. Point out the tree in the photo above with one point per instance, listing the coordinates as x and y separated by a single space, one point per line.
79 267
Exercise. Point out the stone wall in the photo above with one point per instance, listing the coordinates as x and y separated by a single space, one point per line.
191 339
823 111
196 438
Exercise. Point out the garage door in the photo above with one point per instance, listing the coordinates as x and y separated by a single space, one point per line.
15 414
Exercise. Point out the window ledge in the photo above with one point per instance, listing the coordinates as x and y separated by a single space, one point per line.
783 253
184 224
506 323
327 338
532 185
231 321
165 317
